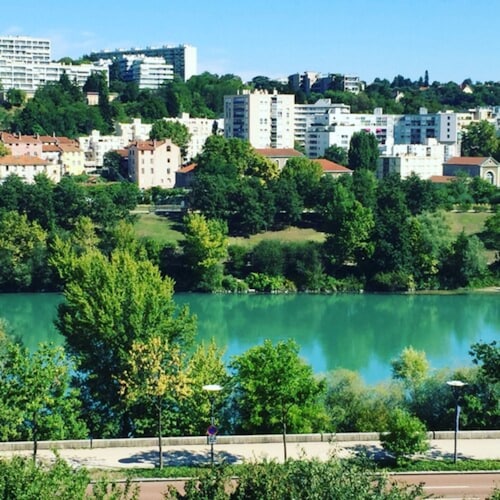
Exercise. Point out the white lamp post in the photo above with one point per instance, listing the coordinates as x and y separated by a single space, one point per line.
456 386
212 430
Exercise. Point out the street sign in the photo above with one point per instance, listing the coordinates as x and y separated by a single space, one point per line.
212 430
212 439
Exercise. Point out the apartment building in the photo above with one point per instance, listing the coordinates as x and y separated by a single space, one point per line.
25 64
182 58
153 163
147 72
27 167
265 120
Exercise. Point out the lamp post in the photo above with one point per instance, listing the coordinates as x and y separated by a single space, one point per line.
456 386
212 429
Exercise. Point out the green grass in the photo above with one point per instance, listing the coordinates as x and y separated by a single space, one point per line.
289 235
469 222
157 227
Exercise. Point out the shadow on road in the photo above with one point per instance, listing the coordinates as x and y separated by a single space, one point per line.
180 457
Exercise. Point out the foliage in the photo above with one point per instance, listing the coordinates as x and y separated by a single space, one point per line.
488 357
270 284
23 479
35 398
480 139
22 254
176 131
4 150
336 154
306 479
155 372
205 248
363 151
406 436
411 367
275 391
306 175
109 304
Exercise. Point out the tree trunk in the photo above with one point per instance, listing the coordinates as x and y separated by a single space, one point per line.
284 441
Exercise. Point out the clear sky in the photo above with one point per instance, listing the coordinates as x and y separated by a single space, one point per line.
452 39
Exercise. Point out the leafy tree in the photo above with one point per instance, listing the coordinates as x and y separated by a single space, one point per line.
411 367
491 233
464 263
275 390
39 201
155 371
421 195
406 436
36 401
22 252
363 151
176 131
268 257
112 163
336 154
13 194
288 203
16 97
364 186
487 356
205 249
306 174
4 150
479 139
70 202
109 304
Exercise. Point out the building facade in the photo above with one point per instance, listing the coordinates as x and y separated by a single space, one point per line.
147 72
265 120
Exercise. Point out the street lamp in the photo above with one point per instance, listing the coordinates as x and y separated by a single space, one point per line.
456 386
212 389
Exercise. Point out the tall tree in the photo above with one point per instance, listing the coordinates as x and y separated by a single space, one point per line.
336 154
276 390
109 304
176 131
480 139
306 174
363 151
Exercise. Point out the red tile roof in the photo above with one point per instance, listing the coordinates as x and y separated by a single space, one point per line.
330 166
146 145
441 179
466 160
282 152
188 168
22 160
7 138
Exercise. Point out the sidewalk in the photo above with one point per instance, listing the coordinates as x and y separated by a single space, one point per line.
185 454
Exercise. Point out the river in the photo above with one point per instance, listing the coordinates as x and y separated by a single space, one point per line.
359 332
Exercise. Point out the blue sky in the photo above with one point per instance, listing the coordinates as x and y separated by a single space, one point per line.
452 39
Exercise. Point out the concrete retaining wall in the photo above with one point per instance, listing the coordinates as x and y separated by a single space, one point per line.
201 440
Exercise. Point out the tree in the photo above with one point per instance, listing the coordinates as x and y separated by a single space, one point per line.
177 132
306 174
154 371
411 367
406 436
275 390
112 163
205 249
336 154
16 97
363 151
109 304
487 356
479 139
22 252
4 150
36 401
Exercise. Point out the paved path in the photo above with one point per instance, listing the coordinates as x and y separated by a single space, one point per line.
147 457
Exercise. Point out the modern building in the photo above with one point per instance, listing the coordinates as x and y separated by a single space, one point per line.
25 64
183 58
486 168
153 163
265 120
147 72
424 160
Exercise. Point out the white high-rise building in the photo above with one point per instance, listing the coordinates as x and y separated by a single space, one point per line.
25 64
265 120
147 72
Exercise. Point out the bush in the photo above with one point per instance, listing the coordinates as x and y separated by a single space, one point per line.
235 285
265 283
407 435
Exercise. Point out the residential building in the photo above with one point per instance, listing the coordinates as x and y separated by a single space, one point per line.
134 131
486 168
279 155
200 130
25 64
333 169
153 163
27 167
22 145
95 146
147 72
183 58
424 160
265 120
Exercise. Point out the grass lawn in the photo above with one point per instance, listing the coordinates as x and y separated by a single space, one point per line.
157 227
469 222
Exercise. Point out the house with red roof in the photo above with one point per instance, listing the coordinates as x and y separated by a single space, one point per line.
279 155
486 168
332 168
27 167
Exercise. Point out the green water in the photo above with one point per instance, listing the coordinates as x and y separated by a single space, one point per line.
358 332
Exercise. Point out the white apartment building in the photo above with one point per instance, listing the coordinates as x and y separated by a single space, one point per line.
200 129
336 127
95 146
27 167
135 131
265 120
147 72
25 64
183 58
425 160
